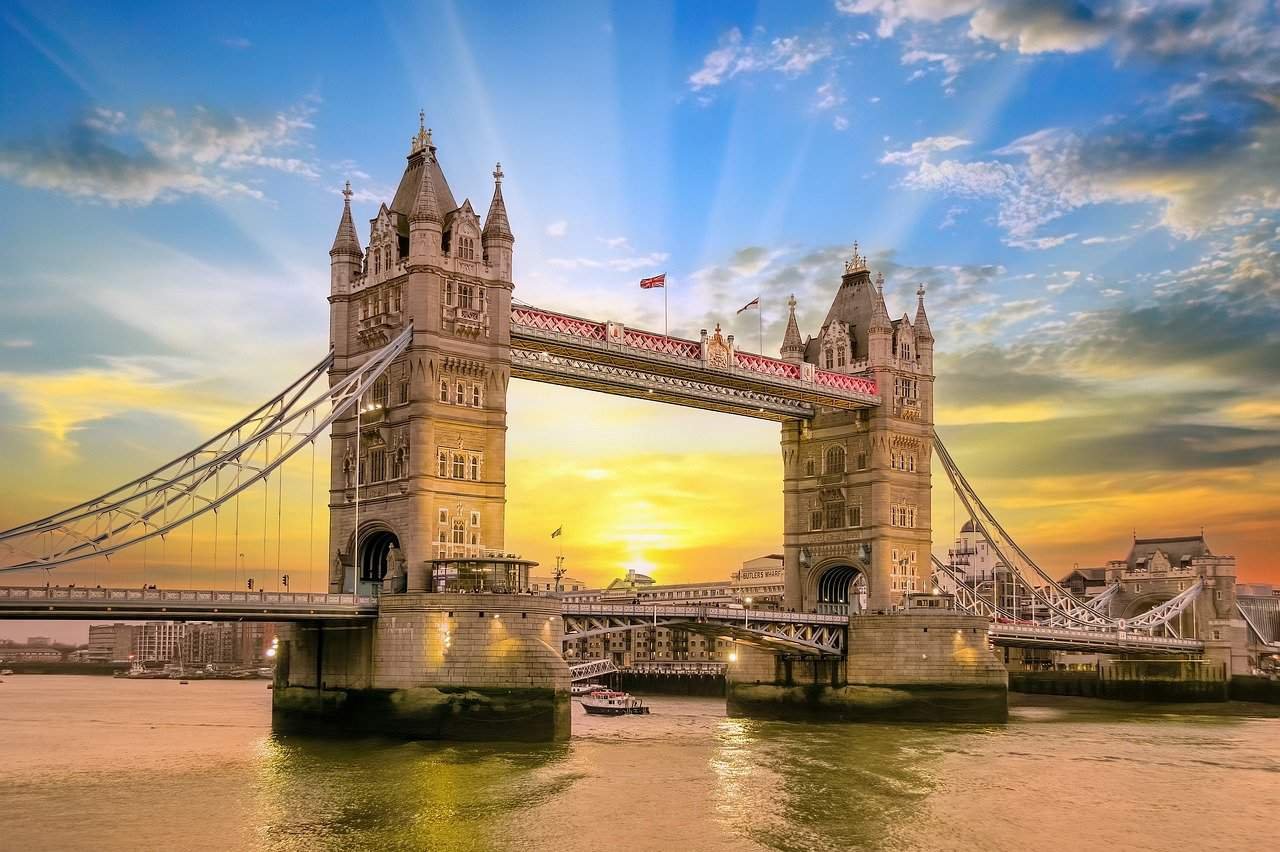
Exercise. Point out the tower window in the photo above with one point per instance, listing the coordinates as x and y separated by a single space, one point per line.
835 460
377 465
444 390
459 393
835 515
815 520
459 532
442 517
862 461
829 357
475 519
473 467
448 293
810 467
855 516
442 470
475 395
459 466
404 391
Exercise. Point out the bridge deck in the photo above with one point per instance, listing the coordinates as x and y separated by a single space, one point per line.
181 605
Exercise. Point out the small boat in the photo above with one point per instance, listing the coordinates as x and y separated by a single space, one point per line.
606 702
183 682
5 672
585 688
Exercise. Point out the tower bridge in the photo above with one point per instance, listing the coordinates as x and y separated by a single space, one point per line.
439 638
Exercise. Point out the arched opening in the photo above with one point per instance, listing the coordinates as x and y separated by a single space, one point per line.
842 590
375 547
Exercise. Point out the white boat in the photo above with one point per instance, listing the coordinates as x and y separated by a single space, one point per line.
606 702
585 688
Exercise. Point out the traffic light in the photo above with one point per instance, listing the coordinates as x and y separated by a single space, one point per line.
251 584
285 579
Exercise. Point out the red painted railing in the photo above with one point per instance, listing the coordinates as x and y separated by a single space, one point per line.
768 366
841 381
657 343
558 323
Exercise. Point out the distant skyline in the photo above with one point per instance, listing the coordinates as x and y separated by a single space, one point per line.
1089 192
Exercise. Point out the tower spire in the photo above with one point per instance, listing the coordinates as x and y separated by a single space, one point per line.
792 345
425 206
346 241
880 313
923 332
496 224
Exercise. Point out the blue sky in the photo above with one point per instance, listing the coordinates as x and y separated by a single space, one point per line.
1088 190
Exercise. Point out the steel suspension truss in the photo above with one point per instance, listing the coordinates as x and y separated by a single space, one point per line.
1053 605
200 481
803 632
590 669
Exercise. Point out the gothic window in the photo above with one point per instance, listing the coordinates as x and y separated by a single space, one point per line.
911 462
447 295
855 516
459 466
815 519
840 357
377 465
473 467
459 533
459 393
810 467
835 460
475 539
381 302
442 517
395 300
442 466
397 465
403 396
835 515
381 392
475 519
829 357
444 390
377 262
904 352
862 461
475 395
902 515
464 296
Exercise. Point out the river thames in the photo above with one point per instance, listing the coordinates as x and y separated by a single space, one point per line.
97 763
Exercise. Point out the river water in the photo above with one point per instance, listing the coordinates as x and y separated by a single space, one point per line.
105 764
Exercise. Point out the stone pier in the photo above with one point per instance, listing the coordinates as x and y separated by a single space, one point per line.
902 666
432 666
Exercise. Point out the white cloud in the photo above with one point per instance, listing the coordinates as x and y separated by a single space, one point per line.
17 343
829 96
617 264
791 56
1097 241
920 151
558 228
1041 243
163 155
616 242
840 123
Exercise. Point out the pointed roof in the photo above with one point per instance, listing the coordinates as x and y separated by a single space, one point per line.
422 156
923 332
426 208
792 345
880 314
346 241
496 224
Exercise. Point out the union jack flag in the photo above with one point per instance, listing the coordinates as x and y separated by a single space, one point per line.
754 303
654 282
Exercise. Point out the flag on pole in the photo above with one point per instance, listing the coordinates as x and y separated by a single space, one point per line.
754 303
654 282
558 531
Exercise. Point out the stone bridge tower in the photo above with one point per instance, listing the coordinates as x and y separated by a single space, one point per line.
856 484
424 474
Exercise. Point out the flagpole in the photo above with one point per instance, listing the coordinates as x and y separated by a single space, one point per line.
760 319
664 309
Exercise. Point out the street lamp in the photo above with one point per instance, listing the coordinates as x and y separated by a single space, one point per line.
745 610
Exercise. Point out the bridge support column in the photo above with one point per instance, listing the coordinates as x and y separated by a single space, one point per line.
903 666
439 666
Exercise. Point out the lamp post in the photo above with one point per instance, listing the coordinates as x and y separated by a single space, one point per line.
746 611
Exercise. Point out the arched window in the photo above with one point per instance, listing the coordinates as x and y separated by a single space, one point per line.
444 390
829 357
459 466
459 532
459 393
473 467
835 460
475 395
810 467
840 357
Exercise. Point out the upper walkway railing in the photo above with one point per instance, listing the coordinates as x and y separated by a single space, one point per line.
711 360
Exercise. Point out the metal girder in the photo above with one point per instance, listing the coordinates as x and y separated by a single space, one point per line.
807 633
590 669
646 384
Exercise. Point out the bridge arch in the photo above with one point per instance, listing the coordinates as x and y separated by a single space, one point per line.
373 551
1184 625
838 587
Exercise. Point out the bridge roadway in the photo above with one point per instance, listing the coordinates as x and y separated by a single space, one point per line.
811 633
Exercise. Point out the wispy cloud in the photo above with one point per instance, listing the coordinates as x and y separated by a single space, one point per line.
790 55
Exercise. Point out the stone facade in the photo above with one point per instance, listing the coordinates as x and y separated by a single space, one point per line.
427 472
856 484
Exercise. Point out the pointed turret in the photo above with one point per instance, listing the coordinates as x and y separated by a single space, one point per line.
425 221
792 345
880 315
496 224
923 332
426 208
346 241
496 237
